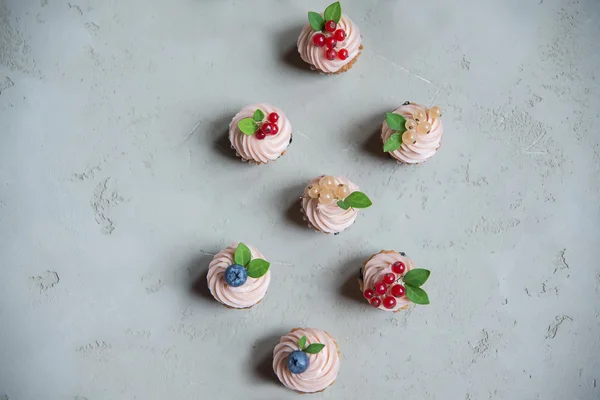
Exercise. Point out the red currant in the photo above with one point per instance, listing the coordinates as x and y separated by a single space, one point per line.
267 128
273 117
398 267
343 54
369 293
375 302
388 279
389 302
331 54
319 40
330 26
275 129
398 291
340 35
380 288
330 42
260 135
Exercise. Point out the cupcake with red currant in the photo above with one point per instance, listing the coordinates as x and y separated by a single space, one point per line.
260 133
412 133
239 276
330 204
306 360
389 281
330 42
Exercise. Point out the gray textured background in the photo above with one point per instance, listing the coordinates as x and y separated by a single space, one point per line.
117 186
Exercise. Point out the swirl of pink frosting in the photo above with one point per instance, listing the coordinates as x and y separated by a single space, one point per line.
426 145
328 218
243 296
323 367
315 55
379 265
260 151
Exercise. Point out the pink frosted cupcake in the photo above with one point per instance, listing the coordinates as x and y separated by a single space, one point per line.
412 133
239 276
330 42
306 360
389 281
260 133
330 204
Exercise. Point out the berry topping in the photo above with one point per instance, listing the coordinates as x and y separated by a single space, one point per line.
340 35
273 117
342 191
327 182
275 130
420 115
297 362
388 279
330 26
313 191
330 42
235 275
369 293
389 302
375 302
410 137
260 135
434 112
331 54
380 288
326 197
399 267
410 125
319 40
343 54
267 128
398 291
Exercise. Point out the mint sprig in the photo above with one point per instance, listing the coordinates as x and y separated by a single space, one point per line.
255 268
313 348
397 123
249 126
332 12
355 200
413 280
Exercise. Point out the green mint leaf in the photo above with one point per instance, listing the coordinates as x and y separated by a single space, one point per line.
343 205
396 122
302 343
257 268
416 277
314 348
334 12
247 126
242 255
357 200
416 295
316 21
394 142
258 115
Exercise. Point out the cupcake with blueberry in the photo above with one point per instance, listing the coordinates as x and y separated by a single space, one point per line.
239 276
260 133
306 360
330 42
330 204
412 133
389 281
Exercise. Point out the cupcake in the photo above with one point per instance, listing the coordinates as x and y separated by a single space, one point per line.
306 360
389 281
330 42
239 276
330 204
412 133
260 133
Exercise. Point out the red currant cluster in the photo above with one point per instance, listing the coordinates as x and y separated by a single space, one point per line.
268 127
389 283
331 40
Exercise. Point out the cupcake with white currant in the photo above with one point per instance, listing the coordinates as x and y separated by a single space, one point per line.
239 276
412 133
330 204
306 360
260 133
330 42
389 281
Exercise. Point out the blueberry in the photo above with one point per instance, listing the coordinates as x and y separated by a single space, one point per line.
236 275
297 362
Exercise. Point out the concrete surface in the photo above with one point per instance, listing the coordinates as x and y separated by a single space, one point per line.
118 185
